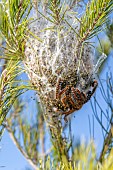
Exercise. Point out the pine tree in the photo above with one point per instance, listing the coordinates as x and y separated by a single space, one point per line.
52 42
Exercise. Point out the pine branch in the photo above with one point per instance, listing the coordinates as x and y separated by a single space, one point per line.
14 22
20 148
107 115
109 32
96 15
106 145
8 91
29 143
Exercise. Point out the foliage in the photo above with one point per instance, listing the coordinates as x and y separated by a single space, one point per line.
109 32
12 30
10 88
105 115
95 17
30 143
15 29
82 161
14 21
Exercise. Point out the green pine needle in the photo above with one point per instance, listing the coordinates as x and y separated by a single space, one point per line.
96 15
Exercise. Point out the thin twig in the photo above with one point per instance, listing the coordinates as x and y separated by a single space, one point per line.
106 144
20 148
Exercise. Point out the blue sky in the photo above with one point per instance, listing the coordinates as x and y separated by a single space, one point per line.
12 159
